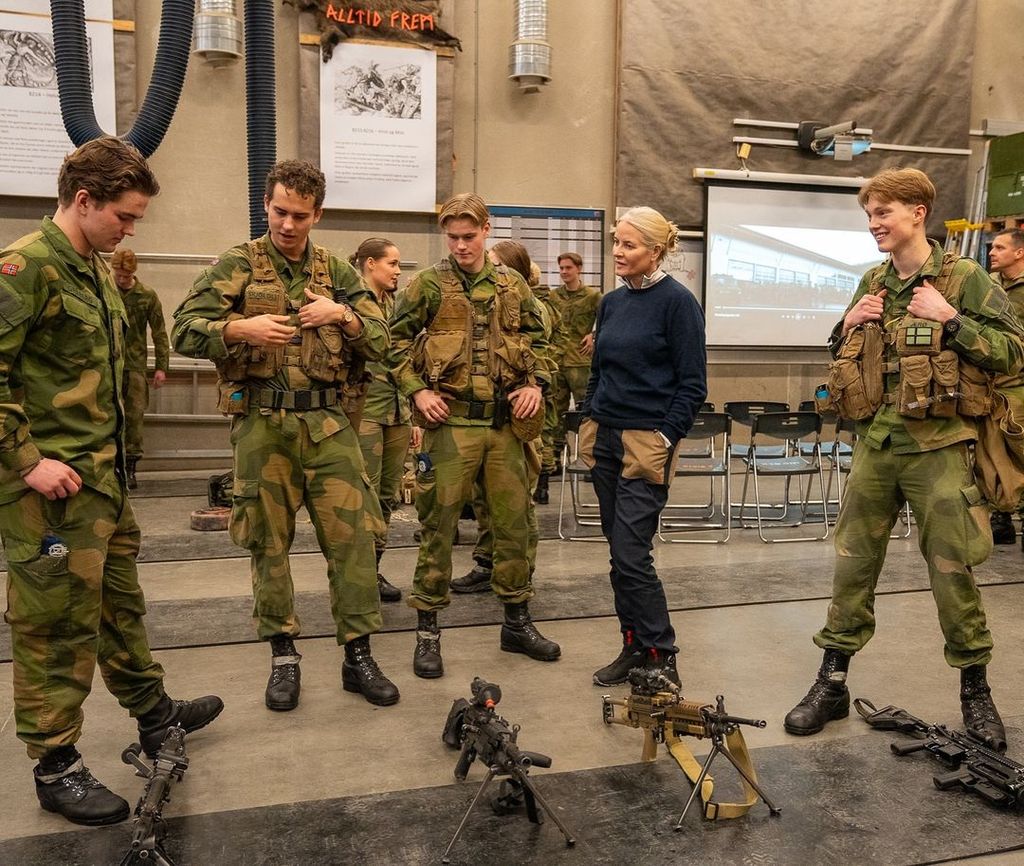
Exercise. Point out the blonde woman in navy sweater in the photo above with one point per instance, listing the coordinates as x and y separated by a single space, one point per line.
647 383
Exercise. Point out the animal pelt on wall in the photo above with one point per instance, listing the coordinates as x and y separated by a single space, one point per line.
333 31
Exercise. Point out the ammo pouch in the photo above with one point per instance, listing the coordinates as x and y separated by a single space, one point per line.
919 344
945 382
259 299
975 392
233 399
352 395
442 358
322 352
855 379
914 395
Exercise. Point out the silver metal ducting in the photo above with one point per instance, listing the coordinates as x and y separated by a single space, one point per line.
218 32
529 57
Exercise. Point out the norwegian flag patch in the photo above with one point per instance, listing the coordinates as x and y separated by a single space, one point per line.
9 269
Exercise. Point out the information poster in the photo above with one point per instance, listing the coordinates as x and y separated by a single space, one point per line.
33 142
378 128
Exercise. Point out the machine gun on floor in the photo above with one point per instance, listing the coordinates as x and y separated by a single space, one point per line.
149 827
480 733
971 766
660 712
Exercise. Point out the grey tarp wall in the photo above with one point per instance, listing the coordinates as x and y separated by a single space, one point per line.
688 67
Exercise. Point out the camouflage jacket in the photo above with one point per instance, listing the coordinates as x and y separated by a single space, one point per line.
143 308
991 338
416 307
62 328
384 404
578 312
1014 289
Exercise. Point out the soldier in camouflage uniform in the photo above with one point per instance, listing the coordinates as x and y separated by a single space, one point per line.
384 431
914 447
71 540
469 349
572 346
1006 258
143 308
289 327
514 255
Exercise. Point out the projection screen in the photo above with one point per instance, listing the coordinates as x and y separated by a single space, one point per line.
781 263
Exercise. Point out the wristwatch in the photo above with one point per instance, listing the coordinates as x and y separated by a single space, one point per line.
953 325
347 316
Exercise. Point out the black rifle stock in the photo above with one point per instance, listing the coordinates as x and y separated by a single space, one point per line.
970 765
149 828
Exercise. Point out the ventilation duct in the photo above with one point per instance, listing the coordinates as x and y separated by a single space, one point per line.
529 57
218 32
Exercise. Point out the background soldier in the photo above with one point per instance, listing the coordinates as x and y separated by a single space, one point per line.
572 347
476 394
143 308
1006 258
908 452
68 529
287 323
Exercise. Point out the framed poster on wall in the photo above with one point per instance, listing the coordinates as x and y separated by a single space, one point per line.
33 142
378 128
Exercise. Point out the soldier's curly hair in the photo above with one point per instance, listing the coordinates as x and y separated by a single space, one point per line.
299 176
106 168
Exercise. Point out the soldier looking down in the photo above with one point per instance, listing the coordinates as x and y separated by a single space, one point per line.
73 595
470 352
289 327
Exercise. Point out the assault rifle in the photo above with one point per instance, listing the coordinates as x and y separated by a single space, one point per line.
479 732
150 828
969 764
656 707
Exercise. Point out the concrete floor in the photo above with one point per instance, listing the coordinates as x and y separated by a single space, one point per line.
760 656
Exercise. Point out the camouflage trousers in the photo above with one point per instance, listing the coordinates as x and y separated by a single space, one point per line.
458 456
483 550
135 392
954 535
278 468
384 447
567 382
69 609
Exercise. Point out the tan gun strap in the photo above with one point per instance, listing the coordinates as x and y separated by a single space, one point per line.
737 747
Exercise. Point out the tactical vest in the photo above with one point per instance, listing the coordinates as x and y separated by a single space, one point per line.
466 345
903 363
322 353
469 347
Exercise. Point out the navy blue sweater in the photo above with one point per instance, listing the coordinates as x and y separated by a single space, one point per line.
650 368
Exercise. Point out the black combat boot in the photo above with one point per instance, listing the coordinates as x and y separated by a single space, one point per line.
520 635
285 677
426 659
617 672
131 463
478 579
541 495
64 785
828 698
360 673
663 663
190 715
386 590
1002 528
981 718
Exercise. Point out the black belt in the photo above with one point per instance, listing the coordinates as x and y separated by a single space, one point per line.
300 401
474 410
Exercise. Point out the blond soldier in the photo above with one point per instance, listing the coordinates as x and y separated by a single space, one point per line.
290 327
144 311
70 536
470 352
